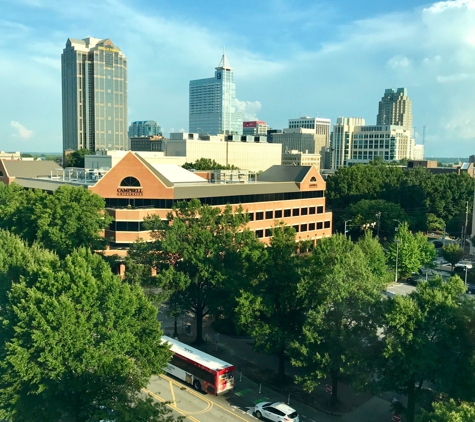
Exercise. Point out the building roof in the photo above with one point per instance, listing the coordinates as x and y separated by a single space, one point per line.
284 174
224 64
33 169
176 174
232 189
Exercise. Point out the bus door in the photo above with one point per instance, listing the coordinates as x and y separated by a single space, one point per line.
189 378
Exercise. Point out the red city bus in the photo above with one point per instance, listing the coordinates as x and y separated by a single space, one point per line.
201 370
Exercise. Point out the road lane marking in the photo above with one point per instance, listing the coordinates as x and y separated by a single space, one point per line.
195 393
181 412
173 393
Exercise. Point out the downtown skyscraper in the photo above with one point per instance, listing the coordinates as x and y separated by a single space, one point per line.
94 93
395 108
212 103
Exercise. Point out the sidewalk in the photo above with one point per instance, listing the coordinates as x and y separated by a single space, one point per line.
239 351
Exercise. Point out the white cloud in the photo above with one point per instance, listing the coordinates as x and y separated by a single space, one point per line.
457 77
399 62
21 131
249 109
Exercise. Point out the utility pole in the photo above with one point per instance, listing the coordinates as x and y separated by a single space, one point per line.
465 227
378 216
346 221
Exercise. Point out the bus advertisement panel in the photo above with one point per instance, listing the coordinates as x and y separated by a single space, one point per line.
203 371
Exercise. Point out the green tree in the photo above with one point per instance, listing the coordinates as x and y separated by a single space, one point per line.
434 223
207 164
77 342
375 256
449 411
69 218
190 252
341 294
379 211
272 309
427 338
412 251
76 158
452 253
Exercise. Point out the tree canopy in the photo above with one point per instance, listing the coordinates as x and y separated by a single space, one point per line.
417 192
427 338
411 251
76 340
207 164
271 309
192 253
452 253
76 158
341 292
68 218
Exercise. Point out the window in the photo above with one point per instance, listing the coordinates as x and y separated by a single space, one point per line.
259 215
320 210
286 213
251 216
269 215
259 233
268 232
313 179
326 225
303 227
304 211
311 226
130 181
319 225
311 210
296 212
278 213
296 227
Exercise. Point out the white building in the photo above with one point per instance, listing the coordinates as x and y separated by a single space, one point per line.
341 140
391 143
212 103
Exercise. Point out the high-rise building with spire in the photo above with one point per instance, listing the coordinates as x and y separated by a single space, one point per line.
212 103
94 89
395 108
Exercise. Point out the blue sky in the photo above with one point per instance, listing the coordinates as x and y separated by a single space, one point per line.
290 59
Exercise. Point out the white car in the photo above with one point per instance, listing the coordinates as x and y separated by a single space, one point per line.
278 411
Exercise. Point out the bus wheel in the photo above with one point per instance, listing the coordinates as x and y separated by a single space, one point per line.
197 385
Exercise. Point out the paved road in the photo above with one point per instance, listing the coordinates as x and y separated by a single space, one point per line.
196 406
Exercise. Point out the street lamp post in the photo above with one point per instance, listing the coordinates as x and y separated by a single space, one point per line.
346 221
378 216
466 270
397 256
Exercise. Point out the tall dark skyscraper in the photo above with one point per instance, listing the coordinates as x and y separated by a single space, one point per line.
395 108
94 90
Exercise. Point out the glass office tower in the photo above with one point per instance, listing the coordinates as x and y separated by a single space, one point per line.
212 100
94 91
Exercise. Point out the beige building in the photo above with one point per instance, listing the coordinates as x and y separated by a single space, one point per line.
322 129
297 158
184 148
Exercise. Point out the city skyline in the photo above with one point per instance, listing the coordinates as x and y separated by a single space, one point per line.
322 60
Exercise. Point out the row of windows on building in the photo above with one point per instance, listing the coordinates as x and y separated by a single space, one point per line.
381 144
285 213
220 200
138 226
299 228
